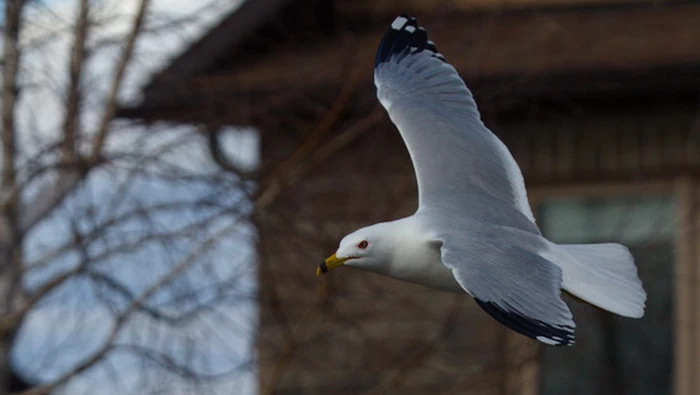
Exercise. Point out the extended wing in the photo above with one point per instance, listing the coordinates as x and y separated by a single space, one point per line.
458 161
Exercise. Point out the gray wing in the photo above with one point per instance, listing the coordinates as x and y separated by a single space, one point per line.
458 161
501 268
471 192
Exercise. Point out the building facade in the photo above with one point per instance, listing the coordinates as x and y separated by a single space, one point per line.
597 101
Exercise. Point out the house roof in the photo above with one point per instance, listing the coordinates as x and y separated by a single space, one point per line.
547 51
232 30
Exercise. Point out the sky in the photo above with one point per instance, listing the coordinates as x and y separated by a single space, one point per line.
75 319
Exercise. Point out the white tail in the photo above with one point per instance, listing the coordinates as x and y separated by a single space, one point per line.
603 275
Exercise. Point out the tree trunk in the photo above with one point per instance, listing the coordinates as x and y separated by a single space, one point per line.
10 381
10 300
10 241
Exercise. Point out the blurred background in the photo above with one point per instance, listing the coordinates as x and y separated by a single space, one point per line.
174 171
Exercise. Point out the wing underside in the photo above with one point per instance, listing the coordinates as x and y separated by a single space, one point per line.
555 335
455 156
518 288
503 268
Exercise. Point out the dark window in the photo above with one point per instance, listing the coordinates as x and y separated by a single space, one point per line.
615 355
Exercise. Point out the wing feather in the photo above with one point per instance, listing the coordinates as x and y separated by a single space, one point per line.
457 159
513 284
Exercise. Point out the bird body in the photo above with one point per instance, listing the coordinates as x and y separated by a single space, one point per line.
474 230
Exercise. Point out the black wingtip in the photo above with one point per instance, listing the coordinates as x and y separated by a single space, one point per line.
404 36
555 335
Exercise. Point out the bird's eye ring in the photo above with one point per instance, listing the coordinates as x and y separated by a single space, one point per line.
363 244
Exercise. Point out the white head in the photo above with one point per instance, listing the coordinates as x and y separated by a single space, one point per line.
368 248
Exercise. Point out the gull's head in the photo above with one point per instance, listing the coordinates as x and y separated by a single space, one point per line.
365 248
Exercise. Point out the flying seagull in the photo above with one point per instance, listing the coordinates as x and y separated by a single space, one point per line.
474 230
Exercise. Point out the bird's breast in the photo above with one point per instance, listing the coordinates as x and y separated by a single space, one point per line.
423 265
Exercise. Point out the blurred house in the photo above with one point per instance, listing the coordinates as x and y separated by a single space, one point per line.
597 100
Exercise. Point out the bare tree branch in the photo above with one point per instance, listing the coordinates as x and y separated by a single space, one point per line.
10 257
135 304
13 19
99 230
109 220
67 181
296 169
49 199
77 60
124 61
11 320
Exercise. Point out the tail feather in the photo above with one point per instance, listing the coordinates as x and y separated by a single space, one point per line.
603 275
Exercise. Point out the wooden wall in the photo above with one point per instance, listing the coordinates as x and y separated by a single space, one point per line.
423 6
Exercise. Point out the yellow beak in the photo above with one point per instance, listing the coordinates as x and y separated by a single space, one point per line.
330 263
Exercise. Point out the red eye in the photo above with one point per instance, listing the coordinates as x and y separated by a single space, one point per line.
363 244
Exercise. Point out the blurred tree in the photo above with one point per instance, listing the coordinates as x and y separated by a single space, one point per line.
117 247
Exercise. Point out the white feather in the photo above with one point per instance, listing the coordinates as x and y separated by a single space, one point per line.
603 275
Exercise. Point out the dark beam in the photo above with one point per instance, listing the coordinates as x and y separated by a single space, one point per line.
508 59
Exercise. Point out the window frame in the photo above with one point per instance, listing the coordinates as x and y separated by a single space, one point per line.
686 326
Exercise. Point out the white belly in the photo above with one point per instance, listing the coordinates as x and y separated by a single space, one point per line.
432 276
422 265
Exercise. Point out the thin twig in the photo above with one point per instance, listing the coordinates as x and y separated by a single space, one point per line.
134 306
124 61
47 200
75 71
13 20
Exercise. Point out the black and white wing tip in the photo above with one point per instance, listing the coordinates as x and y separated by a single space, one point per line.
404 37
554 335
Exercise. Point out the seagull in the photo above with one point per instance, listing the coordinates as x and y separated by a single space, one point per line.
474 231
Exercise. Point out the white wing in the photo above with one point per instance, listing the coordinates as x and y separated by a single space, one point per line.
518 288
471 193
503 268
458 161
